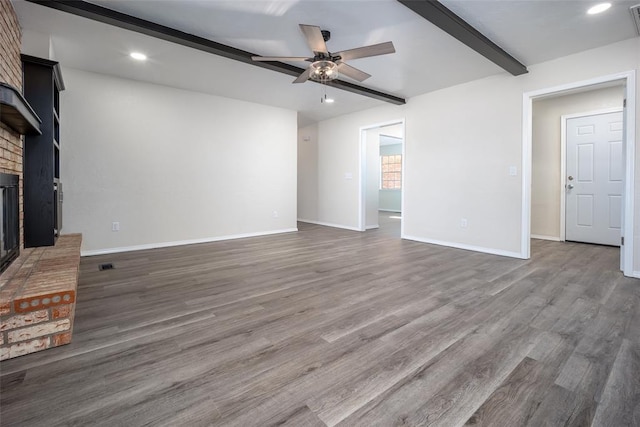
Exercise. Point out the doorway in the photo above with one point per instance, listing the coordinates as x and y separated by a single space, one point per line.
382 176
530 205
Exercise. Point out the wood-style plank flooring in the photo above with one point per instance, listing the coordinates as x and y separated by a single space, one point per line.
327 327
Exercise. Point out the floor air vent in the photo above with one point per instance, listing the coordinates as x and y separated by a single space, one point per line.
635 12
107 266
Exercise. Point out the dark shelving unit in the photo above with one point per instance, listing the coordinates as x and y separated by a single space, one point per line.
42 84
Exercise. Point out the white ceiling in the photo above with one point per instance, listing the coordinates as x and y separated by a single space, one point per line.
426 58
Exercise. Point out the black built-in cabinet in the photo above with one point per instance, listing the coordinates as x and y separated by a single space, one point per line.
42 83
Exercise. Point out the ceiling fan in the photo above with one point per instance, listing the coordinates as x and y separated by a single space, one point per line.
325 65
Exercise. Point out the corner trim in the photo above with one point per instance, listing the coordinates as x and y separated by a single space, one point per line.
466 247
543 237
329 224
183 242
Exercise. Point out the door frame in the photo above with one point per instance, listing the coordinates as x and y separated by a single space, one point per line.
629 79
362 171
563 160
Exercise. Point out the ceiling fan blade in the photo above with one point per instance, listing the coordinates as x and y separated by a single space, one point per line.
304 76
280 58
351 72
366 51
314 38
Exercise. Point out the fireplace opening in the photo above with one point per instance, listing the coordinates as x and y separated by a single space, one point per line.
10 220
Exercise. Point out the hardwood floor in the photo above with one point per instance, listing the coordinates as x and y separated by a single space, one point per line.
327 327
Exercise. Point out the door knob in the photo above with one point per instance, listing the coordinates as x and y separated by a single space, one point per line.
569 186
570 178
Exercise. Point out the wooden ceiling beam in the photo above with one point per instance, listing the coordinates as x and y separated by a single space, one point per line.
443 18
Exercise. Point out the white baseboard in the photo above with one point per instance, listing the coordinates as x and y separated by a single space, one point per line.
542 237
371 227
466 247
636 274
182 242
328 224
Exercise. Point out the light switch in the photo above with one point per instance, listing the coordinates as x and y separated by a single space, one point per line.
348 175
513 171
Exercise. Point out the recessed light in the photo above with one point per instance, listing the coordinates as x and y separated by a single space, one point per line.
138 56
599 8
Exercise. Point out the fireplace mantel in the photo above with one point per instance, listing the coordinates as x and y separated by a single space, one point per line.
16 111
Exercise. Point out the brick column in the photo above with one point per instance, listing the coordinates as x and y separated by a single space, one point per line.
11 73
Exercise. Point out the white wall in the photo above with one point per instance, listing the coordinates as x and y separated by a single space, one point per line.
308 173
390 149
459 145
546 188
390 199
171 165
37 44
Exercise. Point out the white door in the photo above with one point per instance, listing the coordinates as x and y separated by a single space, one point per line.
594 183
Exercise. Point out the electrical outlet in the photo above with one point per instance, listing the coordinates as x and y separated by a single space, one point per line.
115 226
463 223
275 214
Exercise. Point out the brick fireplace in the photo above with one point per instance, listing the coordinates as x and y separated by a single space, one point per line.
11 73
37 290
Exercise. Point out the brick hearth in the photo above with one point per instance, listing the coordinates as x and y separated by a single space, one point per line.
37 298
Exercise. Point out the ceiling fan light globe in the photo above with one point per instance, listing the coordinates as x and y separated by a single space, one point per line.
324 70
